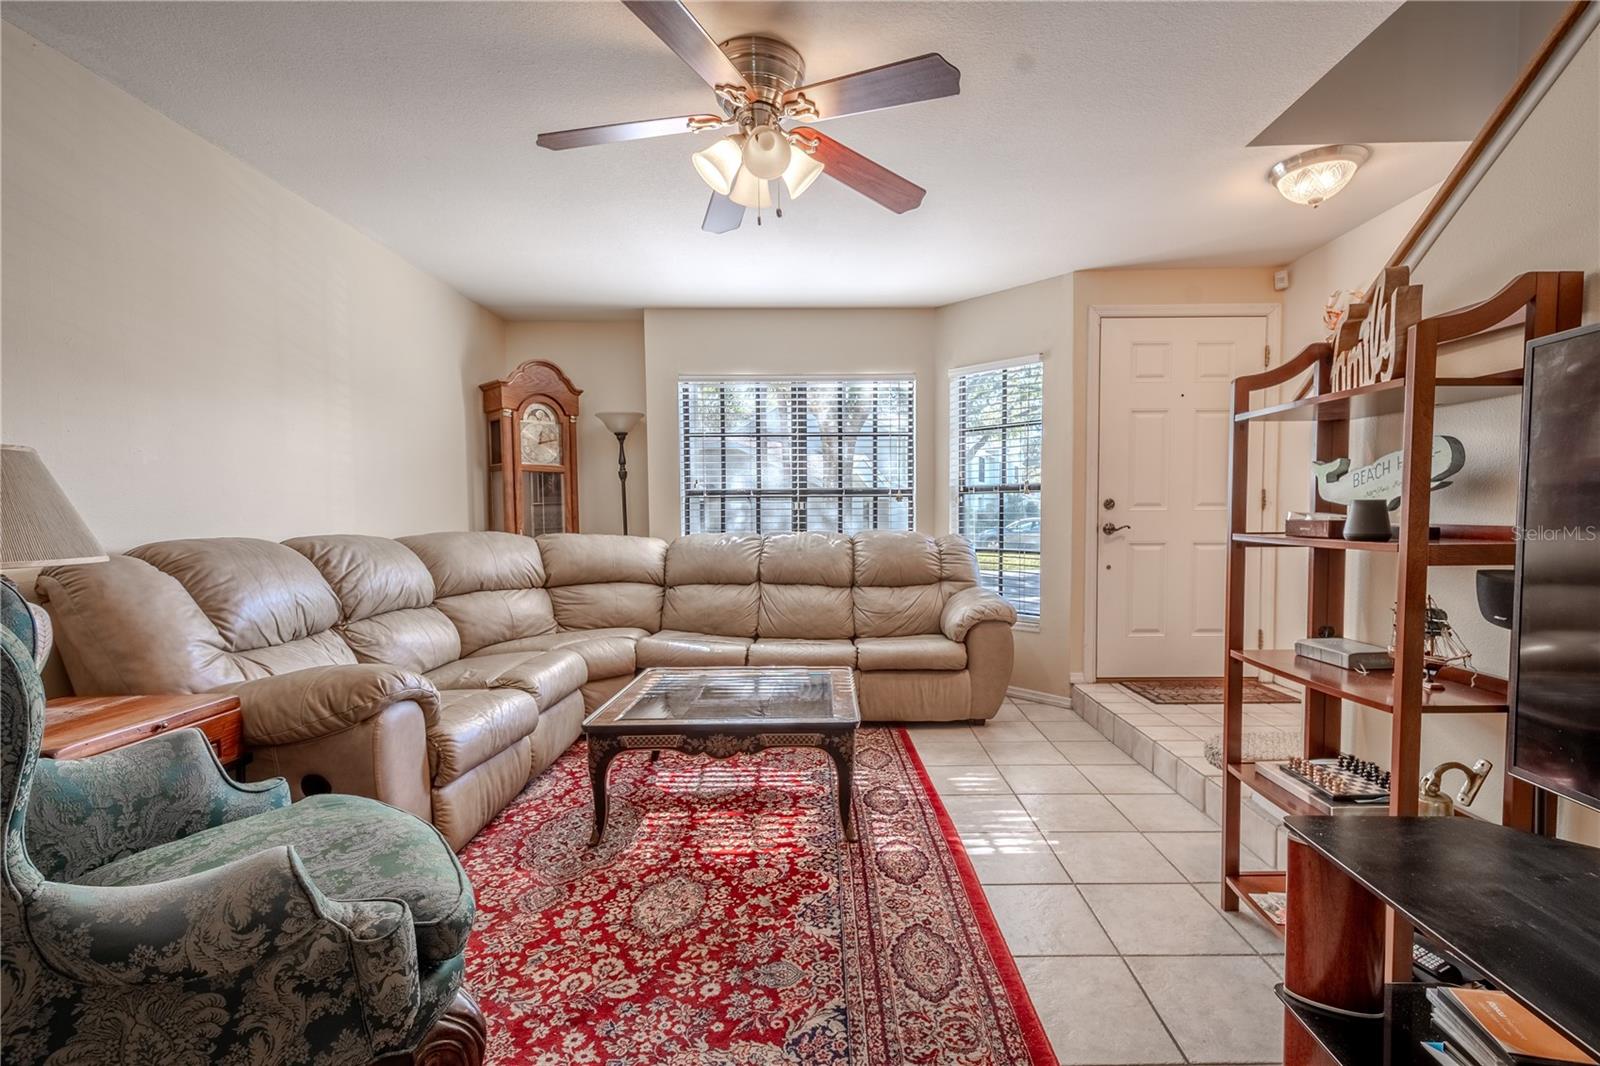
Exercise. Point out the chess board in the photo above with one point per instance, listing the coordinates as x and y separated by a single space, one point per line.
1345 779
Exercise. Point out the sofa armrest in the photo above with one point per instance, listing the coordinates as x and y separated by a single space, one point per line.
969 607
307 704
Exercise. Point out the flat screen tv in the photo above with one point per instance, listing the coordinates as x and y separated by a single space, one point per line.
1555 651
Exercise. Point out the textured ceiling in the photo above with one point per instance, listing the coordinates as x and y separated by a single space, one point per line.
1086 135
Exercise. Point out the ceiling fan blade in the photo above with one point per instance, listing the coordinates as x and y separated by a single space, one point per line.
863 175
722 215
627 131
906 82
678 30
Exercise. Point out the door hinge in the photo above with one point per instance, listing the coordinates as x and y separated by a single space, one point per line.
1261 640
1266 356
1263 499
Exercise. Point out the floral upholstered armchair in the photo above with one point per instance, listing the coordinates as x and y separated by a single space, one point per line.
157 912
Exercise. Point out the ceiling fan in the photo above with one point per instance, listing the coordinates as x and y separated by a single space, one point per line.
771 152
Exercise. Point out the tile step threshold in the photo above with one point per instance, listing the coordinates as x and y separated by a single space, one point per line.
1261 822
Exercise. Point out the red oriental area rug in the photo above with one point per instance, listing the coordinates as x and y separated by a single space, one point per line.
725 922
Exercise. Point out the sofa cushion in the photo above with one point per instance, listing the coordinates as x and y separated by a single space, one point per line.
123 626
602 558
492 616
599 581
712 584
958 563
805 587
677 648
884 557
352 848
258 594
898 584
320 649
773 652
369 575
385 599
926 652
418 639
475 725
479 561
606 652
547 676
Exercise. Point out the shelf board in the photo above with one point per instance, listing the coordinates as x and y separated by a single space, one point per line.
1384 398
1395 1039
1450 552
1373 690
1259 881
1276 794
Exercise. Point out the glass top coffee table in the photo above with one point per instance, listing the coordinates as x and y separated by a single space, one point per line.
722 711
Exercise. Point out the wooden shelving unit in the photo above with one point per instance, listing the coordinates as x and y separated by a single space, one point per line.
1541 303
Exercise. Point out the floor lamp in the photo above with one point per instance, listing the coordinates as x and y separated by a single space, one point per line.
621 423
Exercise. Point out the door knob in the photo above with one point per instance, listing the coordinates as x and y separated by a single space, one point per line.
1110 528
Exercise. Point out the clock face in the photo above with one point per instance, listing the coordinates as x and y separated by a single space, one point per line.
541 436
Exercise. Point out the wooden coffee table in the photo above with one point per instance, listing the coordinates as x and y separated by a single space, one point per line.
723 711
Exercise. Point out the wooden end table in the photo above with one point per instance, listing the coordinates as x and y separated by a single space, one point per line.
81 726
723 711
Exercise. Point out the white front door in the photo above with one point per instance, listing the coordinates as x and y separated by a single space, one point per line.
1165 394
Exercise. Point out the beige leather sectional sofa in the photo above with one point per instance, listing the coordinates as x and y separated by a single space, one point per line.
440 672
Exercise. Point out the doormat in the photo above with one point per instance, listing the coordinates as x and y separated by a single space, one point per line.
1202 690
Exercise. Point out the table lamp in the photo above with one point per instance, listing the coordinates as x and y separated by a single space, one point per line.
38 527
621 423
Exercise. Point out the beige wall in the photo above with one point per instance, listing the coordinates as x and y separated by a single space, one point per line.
681 343
1351 261
1102 288
196 351
1032 319
606 360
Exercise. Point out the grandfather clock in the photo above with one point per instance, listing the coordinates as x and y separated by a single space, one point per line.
533 450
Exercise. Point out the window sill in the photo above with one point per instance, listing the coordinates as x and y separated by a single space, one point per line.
1021 626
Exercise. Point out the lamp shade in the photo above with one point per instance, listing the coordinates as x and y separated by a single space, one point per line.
718 163
803 169
38 525
750 191
620 422
766 152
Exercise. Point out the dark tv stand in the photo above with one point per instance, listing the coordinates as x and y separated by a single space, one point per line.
1522 909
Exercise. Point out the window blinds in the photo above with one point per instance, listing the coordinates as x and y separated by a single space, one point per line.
788 454
996 440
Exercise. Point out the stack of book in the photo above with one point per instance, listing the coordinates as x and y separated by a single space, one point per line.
1480 1027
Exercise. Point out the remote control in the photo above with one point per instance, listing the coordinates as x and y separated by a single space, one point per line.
1433 964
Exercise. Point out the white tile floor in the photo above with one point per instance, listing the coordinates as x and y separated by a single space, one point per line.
1103 881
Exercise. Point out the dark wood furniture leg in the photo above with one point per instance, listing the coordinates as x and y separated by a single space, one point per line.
458 1038
842 749
1335 951
601 752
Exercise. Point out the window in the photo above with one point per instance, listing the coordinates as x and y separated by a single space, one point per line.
787 454
996 434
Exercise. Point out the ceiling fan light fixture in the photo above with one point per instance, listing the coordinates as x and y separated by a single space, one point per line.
750 191
767 152
1320 174
803 169
718 163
